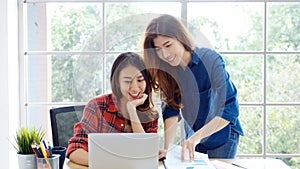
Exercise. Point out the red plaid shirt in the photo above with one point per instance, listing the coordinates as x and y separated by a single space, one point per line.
102 116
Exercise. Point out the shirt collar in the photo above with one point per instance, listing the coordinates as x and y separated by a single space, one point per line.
195 59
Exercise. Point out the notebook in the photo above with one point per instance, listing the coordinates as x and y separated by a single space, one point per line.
123 150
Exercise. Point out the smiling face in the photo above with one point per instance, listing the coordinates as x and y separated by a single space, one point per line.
132 83
171 51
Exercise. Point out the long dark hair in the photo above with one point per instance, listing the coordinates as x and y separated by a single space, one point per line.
133 59
164 75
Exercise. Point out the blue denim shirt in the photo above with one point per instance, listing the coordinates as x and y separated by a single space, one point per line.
207 92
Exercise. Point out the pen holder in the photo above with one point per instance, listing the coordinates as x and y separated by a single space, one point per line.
48 163
62 152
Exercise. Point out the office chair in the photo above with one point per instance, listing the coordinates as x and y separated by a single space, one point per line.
62 123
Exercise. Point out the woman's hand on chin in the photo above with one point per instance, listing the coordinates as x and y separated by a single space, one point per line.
136 102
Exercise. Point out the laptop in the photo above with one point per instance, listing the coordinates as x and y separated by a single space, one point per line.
123 150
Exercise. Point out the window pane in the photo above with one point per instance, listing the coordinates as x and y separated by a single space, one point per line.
283 26
38 80
251 120
246 73
129 37
132 18
75 26
228 26
283 129
36 27
70 78
84 77
283 78
294 162
108 65
118 11
39 116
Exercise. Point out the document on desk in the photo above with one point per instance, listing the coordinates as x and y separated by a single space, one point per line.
173 160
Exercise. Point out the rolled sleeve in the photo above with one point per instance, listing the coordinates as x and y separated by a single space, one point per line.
79 140
169 112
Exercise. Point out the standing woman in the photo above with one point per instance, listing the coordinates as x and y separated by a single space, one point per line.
128 109
195 81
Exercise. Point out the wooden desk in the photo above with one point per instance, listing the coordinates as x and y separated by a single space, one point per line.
70 165
262 163
250 163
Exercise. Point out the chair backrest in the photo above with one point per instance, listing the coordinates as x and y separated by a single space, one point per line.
62 123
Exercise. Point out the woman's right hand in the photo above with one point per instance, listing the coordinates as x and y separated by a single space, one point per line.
133 117
136 102
162 154
131 106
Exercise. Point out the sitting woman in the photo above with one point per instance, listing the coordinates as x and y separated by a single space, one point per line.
128 108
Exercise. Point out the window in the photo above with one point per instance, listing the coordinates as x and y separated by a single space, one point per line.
69 48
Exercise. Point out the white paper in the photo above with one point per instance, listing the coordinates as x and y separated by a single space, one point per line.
173 159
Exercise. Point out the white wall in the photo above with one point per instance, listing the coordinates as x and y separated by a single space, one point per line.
9 82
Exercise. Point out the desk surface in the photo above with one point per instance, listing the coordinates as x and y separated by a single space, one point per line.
249 163
70 165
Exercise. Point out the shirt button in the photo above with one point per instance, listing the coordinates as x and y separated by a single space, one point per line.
122 125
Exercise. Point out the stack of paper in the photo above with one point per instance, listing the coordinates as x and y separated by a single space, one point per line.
222 165
173 160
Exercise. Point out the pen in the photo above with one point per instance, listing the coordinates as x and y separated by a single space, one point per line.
45 155
163 161
238 165
43 151
50 149
35 150
44 143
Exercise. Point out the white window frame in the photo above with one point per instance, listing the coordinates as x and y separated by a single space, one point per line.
264 104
